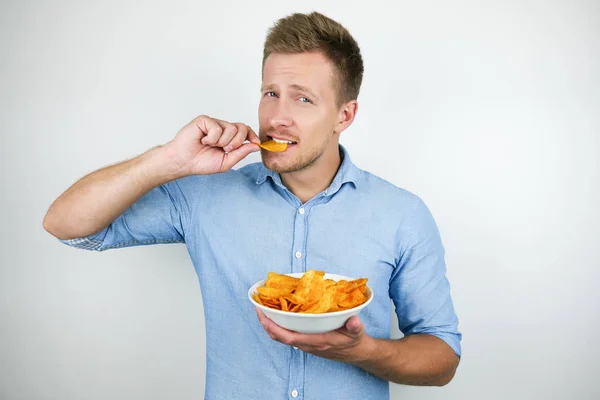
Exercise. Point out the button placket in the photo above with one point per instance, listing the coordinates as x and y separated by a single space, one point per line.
298 245
297 359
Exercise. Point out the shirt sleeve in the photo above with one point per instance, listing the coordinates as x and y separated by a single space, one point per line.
157 217
419 287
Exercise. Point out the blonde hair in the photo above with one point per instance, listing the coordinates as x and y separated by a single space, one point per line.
299 33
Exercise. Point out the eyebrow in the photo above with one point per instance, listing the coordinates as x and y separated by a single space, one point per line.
294 86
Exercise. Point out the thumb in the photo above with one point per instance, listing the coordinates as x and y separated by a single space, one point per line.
354 326
237 155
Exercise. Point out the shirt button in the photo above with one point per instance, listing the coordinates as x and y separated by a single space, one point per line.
301 211
298 254
294 393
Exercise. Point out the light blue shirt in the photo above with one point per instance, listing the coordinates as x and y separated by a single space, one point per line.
240 225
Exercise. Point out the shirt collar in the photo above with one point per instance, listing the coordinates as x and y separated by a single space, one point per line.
347 173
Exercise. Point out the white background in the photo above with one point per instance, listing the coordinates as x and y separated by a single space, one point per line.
487 110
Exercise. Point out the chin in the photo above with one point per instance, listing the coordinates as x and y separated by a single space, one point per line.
286 168
285 163
276 167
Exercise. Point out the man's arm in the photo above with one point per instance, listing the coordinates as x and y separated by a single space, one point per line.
96 200
419 359
99 198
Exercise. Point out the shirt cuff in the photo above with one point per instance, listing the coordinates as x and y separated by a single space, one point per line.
85 243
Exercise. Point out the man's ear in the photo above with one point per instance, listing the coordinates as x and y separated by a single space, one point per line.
346 116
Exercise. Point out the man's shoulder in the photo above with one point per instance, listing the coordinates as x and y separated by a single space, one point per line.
399 206
379 187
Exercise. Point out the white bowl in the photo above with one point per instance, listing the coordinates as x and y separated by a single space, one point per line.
310 323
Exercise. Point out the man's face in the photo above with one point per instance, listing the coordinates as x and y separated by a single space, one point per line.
298 104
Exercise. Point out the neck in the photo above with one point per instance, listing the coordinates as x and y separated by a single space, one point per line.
308 182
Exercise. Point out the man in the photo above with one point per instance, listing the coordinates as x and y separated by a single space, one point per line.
305 208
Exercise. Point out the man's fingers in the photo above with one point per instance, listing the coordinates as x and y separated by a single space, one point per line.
235 156
231 137
276 332
226 135
239 138
212 129
252 136
261 316
354 325
229 132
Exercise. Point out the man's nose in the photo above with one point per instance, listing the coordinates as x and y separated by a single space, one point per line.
281 117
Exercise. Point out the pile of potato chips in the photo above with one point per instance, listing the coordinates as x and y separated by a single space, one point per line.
311 293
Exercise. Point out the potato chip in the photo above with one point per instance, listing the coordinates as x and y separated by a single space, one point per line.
257 299
311 293
281 281
271 145
355 284
271 304
352 299
296 308
311 287
325 304
363 290
272 292
284 304
329 282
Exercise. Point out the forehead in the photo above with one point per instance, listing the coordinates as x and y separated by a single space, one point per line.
310 69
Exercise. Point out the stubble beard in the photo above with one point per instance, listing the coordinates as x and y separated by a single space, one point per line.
302 162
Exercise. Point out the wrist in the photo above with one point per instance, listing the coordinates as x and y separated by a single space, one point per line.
365 351
163 165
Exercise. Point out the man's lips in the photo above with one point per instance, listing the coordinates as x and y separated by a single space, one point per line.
283 138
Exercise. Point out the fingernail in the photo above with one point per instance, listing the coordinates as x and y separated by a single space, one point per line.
227 149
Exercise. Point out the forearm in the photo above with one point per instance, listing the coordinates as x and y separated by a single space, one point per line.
421 360
99 198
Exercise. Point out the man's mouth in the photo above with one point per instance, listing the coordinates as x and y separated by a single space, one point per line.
289 142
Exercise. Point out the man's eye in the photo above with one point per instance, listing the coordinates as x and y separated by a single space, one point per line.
270 94
305 100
